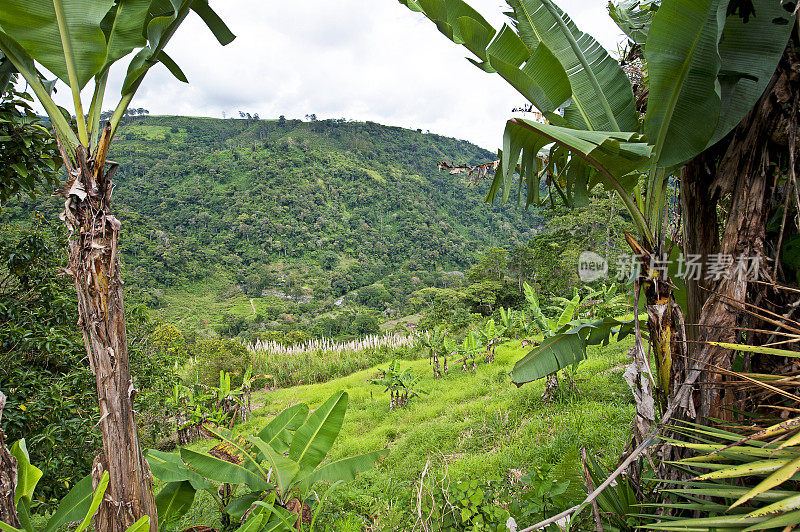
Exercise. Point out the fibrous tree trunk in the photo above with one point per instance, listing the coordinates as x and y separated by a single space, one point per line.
94 266
700 231
8 478
746 173
739 172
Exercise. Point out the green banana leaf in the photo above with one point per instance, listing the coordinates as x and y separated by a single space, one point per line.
615 155
278 432
458 22
253 524
142 525
174 500
249 460
542 79
239 506
553 354
633 17
122 28
97 498
280 518
599 332
221 32
345 469
73 507
5 527
222 471
285 469
682 66
315 437
168 467
64 36
159 26
602 98
28 475
749 53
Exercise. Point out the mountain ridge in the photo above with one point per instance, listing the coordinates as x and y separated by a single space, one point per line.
329 206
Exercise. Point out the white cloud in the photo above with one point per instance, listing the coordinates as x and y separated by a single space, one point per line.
360 59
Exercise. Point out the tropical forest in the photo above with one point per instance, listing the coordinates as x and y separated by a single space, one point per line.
220 320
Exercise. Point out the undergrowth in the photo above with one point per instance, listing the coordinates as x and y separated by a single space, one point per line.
468 426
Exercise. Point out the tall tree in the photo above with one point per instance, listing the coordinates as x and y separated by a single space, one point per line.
79 41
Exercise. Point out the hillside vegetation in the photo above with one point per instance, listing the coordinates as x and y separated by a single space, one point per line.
221 211
465 427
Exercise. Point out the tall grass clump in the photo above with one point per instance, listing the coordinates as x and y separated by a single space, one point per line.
319 360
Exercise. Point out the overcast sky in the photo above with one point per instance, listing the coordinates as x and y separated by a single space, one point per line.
357 59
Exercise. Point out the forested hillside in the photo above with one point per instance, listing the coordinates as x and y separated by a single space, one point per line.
288 209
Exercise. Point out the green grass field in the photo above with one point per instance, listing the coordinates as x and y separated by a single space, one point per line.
468 425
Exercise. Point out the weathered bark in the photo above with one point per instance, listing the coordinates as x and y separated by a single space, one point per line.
745 174
94 267
8 478
700 231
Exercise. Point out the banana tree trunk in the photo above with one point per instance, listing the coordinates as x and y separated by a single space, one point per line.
739 173
747 172
700 231
94 266
665 321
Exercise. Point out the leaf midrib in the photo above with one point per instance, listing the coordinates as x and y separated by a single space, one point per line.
581 58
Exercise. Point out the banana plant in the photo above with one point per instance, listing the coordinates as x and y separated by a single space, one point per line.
279 467
79 41
509 319
546 325
400 384
564 338
469 347
79 505
491 335
606 301
435 344
706 67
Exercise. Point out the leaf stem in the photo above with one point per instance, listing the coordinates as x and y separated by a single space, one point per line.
162 42
24 64
69 59
95 108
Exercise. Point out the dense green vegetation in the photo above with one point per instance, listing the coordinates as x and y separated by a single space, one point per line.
50 387
467 426
265 247
43 369
241 227
295 212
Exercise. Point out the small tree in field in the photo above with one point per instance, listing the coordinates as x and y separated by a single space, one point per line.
79 41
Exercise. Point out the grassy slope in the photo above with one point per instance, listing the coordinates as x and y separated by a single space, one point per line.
200 306
477 425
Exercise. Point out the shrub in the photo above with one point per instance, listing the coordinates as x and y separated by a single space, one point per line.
50 389
212 355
